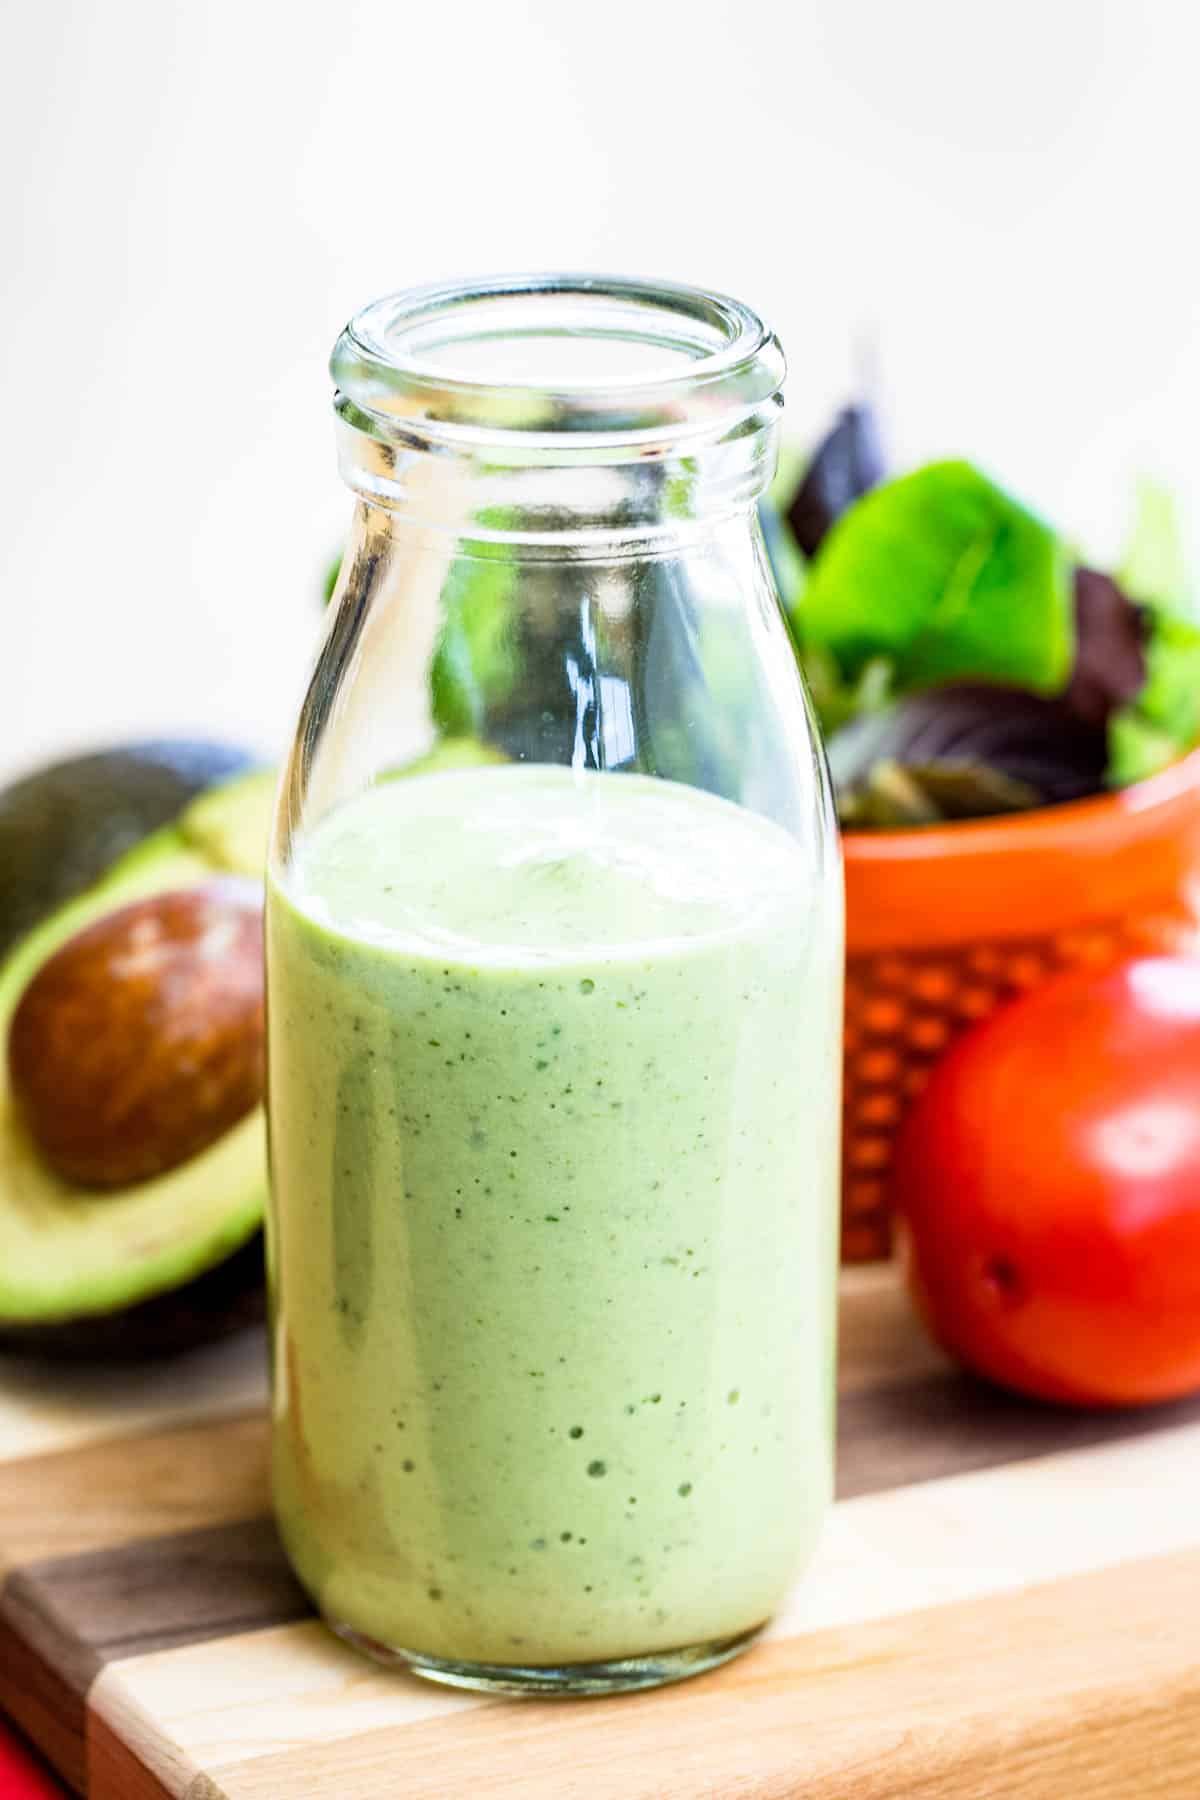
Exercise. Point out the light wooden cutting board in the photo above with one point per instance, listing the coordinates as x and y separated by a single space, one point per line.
1006 1606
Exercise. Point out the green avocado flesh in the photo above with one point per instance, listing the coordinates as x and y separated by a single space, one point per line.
230 825
68 1252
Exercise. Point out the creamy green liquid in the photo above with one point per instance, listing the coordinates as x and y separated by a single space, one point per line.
553 1081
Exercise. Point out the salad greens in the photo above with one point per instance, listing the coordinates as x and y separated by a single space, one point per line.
961 661
1164 720
848 465
1164 716
1153 567
948 578
475 661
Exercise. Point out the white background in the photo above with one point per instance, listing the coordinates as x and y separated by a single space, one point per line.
993 200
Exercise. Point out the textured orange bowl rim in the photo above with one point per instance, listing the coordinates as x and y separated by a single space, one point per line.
1028 874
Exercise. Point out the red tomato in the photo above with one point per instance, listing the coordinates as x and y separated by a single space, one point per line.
1048 1189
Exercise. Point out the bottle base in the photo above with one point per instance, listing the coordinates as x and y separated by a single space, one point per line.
622 1675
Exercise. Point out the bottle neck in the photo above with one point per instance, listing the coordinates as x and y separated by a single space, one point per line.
558 408
567 492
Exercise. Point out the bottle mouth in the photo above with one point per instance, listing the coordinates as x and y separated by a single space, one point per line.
528 359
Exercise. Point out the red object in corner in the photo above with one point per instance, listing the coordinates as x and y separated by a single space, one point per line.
23 1774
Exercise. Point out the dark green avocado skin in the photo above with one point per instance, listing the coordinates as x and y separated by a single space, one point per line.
63 826
221 1301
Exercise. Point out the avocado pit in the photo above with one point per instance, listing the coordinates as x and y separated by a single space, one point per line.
139 1043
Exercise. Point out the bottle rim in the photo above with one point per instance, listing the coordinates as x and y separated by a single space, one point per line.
526 359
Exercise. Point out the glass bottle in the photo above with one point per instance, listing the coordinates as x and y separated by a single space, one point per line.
554 988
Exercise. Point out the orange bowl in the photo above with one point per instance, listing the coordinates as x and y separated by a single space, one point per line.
946 923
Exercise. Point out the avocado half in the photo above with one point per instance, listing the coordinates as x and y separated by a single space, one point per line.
165 1263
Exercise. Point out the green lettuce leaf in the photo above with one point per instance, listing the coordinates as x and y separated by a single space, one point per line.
1164 721
475 663
1153 566
948 578
836 700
